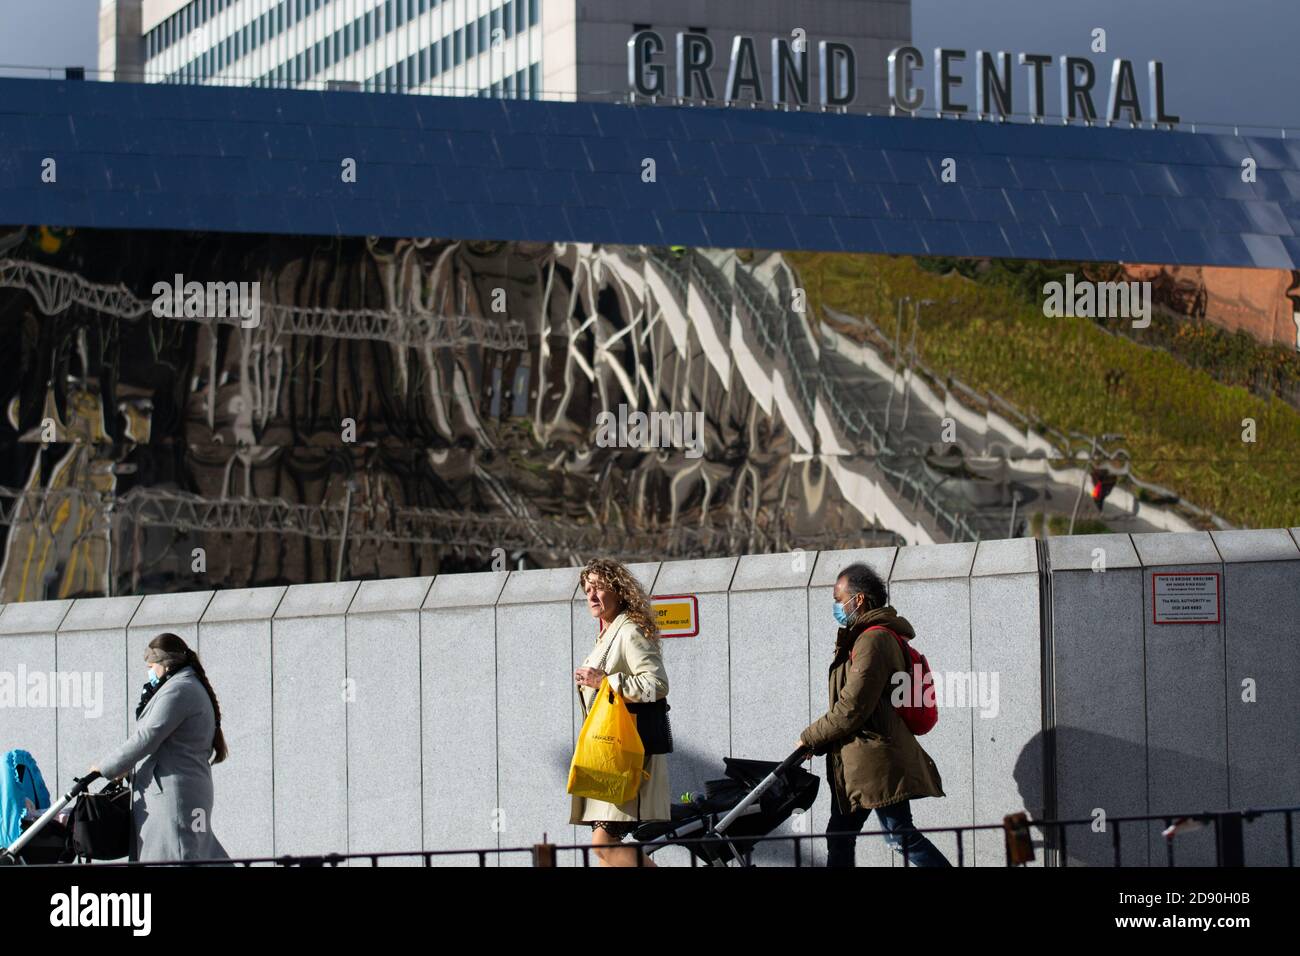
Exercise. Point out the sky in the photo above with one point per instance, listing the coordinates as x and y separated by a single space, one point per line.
1226 61
48 33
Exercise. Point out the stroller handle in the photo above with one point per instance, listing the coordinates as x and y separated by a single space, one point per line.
796 758
739 809
81 784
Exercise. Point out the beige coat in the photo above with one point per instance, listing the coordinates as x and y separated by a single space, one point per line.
636 670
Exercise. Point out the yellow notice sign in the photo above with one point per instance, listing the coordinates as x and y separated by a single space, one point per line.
678 615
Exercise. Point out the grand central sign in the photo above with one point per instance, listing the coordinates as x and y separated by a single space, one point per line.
788 80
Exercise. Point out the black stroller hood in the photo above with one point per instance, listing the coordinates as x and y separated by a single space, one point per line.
795 789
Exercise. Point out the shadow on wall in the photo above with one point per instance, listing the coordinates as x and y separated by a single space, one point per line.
1118 768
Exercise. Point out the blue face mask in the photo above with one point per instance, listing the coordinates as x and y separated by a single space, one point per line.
153 678
841 616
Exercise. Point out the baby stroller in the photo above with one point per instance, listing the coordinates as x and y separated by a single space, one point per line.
754 798
96 826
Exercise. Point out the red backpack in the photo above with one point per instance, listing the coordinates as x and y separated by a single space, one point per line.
921 714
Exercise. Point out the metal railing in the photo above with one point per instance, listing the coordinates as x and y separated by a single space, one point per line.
1229 828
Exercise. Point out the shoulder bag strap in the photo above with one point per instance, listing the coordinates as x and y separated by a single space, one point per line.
582 704
898 639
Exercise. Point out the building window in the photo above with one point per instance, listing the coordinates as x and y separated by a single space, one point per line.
532 13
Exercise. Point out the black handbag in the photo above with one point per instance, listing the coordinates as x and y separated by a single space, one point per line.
652 725
101 823
651 718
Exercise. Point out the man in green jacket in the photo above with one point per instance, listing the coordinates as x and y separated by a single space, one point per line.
873 761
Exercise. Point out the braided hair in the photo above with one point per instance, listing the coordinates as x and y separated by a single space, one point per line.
176 648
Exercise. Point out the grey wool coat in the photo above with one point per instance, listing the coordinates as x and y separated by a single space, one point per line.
636 670
170 750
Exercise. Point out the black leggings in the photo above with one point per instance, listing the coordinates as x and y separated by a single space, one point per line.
619 829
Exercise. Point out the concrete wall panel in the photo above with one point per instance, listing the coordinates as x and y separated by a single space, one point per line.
699 694
1261 582
1005 690
1186 717
769 678
384 699
235 633
930 587
534 682
29 712
89 655
1100 694
308 641
459 732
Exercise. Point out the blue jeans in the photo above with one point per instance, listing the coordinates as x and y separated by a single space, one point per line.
896 820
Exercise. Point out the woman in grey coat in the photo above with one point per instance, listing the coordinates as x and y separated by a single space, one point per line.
178 729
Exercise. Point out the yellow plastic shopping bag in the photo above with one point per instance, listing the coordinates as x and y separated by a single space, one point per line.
608 763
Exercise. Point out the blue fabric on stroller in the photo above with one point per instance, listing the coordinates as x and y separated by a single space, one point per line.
17 786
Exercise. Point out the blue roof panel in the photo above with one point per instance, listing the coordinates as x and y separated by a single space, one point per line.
987 236
859 234
225 159
943 239
814 232
1072 209
905 201
862 199
902 236
1268 251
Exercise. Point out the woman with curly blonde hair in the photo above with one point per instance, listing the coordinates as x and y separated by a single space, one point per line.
627 652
